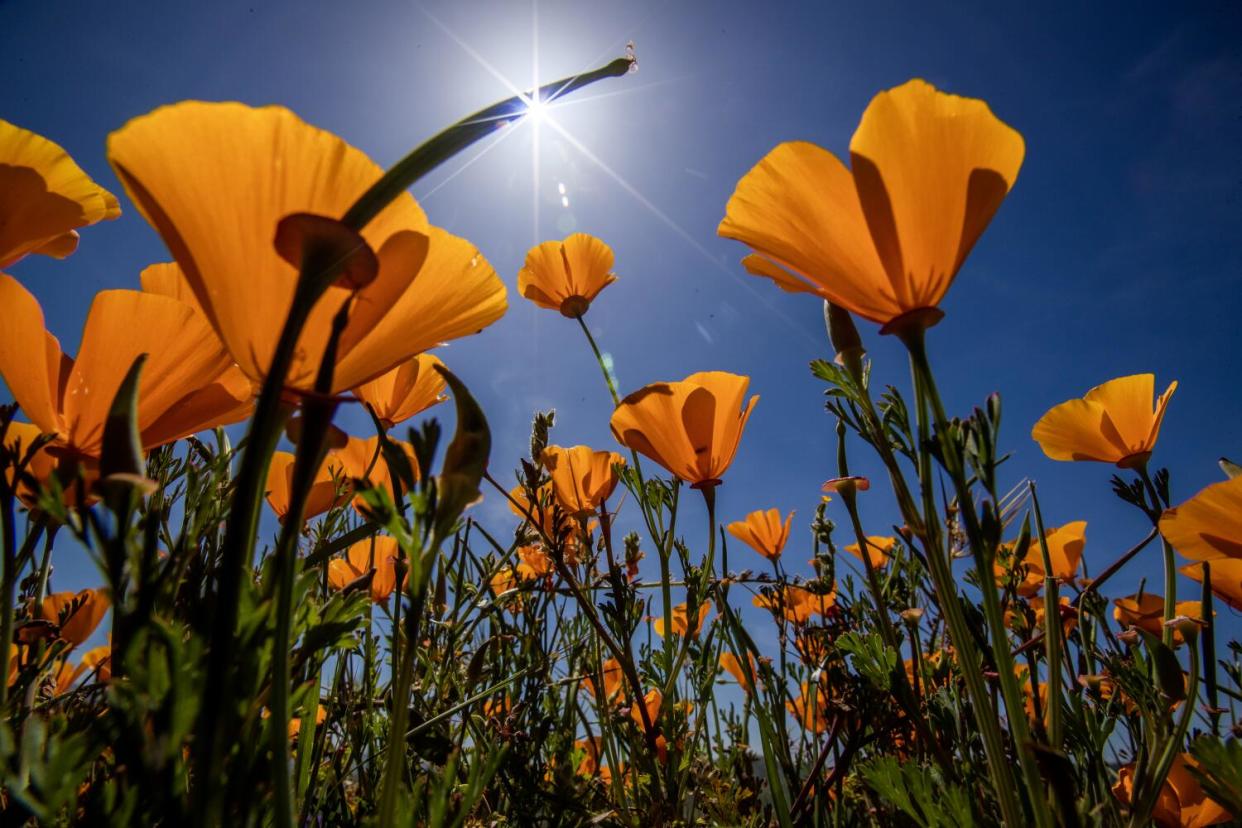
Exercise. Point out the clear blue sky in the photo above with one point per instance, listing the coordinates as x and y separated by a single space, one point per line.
1118 251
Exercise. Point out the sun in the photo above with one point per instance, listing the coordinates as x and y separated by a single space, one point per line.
536 110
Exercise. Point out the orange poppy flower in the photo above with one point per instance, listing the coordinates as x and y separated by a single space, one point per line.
544 519
1113 423
886 237
879 550
295 724
362 459
188 383
409 389
252 167
42 465
763 531
77 614
733 665
44 196
1065 547
1209 525
326 492
582 479
63 676
567 275
1068 614
99 659
653 701
692 427
1146 611
681 624
378 553
591 750
1226 579
611 674
811 708
535 562
796 604
1182 802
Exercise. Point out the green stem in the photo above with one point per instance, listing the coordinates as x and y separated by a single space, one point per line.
1052 631
985 714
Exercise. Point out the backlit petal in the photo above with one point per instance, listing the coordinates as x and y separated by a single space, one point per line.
1209 525
30 358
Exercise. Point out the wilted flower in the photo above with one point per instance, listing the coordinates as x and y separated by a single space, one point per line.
886 237
567 275
1226 579
1146 611
378 553
1181 803
582 478
692 427
878 550
409 389
1209 525
188 383
1065 547
681 624
849 484
796 604
763 531
253 167
44 197
1113 423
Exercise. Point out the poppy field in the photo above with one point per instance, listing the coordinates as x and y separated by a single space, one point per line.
301 624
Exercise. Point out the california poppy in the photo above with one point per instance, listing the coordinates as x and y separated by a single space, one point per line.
811 708
327 490
567 275
409 389
878 550
378 553
1065 547
733 665
681 623
1113 423
692 427
42 465
763 531
99 659
796 604
362 459
1209 525
253 167
652 702
44 197
1146 611
885 237
611 673
76 614
1226 579
582 478
188 383
1182 802
542 516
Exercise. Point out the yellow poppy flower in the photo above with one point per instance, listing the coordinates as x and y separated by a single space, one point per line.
77 614
692 427
567 275
885 237
1113 423
582 479
188 383
378 553
681 623
878 550
44 197
1226 579
409 389
1181 803
215 180
796 604
763 531
1146 611
1209 525
1065 547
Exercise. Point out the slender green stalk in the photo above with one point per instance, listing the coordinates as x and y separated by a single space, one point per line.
1052 630
992 611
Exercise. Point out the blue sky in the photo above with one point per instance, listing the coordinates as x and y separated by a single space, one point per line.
1117 252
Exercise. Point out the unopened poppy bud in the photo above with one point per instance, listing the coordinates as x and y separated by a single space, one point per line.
1187 626
912 616
844 338
1130 636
